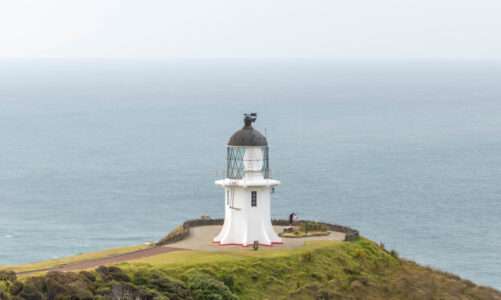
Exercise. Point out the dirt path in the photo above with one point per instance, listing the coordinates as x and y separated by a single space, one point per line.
110 260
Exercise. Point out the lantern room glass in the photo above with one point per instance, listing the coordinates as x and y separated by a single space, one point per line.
237 161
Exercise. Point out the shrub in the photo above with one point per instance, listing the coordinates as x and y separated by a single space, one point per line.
8 276
313 226
86 275
229 281
104 283
177 234
204 287
112 273
162 283
30 292
16 288
3 295
307 257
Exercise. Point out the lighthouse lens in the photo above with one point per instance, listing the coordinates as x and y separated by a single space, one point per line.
253 159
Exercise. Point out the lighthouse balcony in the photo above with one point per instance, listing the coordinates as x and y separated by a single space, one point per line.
227 182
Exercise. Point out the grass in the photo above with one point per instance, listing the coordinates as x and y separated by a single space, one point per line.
189 258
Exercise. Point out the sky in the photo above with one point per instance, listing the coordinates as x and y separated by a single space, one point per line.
333 29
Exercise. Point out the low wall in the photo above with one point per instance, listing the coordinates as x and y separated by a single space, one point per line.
183 231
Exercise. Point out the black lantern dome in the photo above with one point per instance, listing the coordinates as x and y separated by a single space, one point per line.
248 136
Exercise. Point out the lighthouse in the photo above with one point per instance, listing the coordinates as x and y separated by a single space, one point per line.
247 188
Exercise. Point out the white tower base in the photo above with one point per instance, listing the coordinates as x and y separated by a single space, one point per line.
246 219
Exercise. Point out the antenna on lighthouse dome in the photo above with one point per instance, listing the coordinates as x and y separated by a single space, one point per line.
249 119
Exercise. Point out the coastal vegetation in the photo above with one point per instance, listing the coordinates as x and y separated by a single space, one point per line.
305 229
359 269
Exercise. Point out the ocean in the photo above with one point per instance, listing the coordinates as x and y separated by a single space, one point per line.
102 153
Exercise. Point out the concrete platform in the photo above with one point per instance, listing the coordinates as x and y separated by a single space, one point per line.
200 238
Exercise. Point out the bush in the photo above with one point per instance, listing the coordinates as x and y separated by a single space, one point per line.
307 257
313 226
204 287
8 276
179 233
16 288
394 253
112 273
160 282
104 283
3 295
229 281
30 292
86 275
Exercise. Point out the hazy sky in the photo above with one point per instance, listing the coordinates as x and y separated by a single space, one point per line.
455 29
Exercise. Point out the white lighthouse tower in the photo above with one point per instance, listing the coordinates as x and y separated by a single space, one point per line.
247 189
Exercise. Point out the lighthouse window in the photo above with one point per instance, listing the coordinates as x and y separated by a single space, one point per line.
253 198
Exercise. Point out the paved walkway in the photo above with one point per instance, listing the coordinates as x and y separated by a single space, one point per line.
200 238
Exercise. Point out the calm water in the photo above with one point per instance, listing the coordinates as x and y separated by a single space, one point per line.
98 154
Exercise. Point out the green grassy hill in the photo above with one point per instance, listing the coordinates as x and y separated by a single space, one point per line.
320 270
